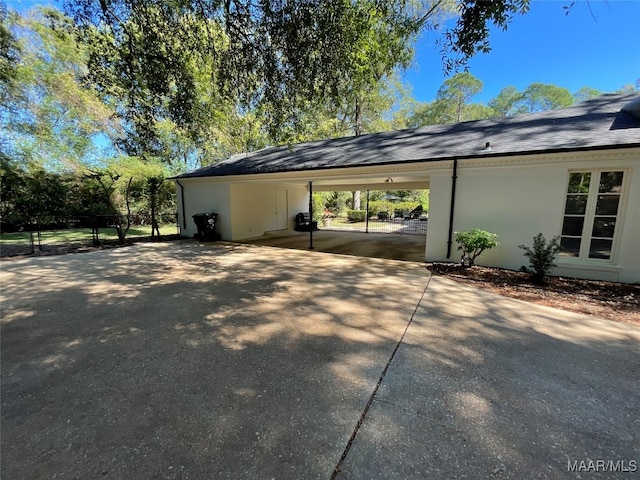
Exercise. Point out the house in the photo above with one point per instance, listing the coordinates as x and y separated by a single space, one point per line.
572 172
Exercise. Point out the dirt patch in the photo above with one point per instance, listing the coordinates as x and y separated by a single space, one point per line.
614 301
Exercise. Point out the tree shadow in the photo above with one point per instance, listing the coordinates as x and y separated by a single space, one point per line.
487 388
188 360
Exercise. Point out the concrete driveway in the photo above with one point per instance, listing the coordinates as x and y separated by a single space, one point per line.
191 361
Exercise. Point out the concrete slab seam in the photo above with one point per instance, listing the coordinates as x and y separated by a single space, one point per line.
363 415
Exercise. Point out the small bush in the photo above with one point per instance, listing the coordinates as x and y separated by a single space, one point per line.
318 207
473 243
356 215
541 257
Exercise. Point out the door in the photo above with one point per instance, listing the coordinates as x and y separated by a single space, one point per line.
281 214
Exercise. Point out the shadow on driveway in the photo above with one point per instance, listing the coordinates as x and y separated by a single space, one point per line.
187 360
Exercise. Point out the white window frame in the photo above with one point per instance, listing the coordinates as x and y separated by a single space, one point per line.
589 216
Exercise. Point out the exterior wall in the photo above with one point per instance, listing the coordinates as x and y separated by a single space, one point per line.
245 209
255 209
201 196
517 200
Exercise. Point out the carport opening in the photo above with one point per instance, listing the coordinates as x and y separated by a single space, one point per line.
373 211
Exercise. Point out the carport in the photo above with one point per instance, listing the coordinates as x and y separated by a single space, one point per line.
261 208
409 248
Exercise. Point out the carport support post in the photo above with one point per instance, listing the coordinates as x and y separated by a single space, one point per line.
454 179
310 215
366 218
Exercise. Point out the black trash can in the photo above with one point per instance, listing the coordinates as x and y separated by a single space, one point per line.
206 223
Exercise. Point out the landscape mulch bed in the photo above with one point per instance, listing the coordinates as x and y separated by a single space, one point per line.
614 301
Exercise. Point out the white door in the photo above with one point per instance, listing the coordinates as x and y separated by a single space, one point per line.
282 222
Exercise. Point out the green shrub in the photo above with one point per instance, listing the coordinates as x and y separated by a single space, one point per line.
473 243
318 206
385 206
356 215
541 257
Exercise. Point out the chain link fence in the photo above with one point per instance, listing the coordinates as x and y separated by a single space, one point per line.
399 223
77 233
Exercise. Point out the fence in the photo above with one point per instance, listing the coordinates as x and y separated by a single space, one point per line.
59 235
399 224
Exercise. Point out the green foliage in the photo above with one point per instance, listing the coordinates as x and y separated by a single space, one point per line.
335 202
541 257
385 206
318 206
473 242
9 54
49 112
305 70
586 93
356 215
538 97
452 104
198 64
125 191
506 103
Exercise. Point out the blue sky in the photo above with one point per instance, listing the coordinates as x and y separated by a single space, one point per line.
547 46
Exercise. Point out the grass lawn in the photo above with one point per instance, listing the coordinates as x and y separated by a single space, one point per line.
81 235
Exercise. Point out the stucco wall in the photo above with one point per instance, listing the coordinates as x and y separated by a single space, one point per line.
256 210
245 209
518 201
199 197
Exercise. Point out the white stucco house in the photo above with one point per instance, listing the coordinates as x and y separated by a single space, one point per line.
572 172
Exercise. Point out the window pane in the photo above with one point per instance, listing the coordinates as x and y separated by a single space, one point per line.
604 227
576 205
607 204
610 182
579 182
569 247
600 249
572 226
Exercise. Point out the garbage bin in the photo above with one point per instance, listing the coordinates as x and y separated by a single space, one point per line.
206 223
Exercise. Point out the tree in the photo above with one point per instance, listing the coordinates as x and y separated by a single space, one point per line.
9 54
458 90
538 97
452 103
507 102
586 93
188 62
49 113
104 190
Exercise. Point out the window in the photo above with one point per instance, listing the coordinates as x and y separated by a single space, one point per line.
590 214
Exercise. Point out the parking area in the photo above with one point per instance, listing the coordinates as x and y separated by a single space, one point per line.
189 361
410 248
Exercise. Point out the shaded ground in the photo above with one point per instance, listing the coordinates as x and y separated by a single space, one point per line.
614 301
192 361
184 360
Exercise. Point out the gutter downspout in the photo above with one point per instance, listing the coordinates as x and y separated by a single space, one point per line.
310 215
184 213
454 179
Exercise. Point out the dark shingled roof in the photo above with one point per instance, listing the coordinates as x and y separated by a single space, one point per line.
594 124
